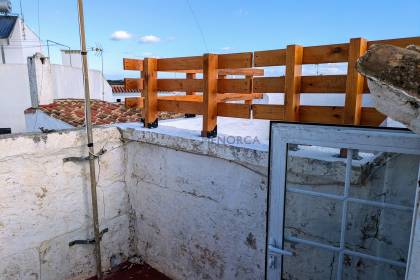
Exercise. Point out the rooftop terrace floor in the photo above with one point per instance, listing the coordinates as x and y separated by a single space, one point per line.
132 271
191 127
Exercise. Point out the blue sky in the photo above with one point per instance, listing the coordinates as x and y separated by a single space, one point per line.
167 28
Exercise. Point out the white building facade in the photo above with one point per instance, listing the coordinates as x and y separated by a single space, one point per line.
17 41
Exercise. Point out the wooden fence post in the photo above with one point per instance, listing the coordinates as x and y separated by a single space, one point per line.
355 81
150 93
354 86
190 76
294 55
210 65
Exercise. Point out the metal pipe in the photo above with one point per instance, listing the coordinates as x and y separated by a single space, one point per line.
347 183
88 118
58 44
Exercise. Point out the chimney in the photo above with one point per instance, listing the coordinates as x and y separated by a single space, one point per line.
40 80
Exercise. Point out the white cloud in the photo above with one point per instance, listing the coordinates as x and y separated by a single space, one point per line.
149 39
226 48
325 69
121 35
147 54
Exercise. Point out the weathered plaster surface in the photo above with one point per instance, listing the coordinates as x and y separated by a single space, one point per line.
192 208
44 204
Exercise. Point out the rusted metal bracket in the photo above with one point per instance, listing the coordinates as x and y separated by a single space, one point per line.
80 159
87 241
154 124
213 133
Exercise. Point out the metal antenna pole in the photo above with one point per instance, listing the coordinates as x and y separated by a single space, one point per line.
88 118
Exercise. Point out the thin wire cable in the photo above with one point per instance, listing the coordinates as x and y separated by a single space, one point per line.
21 10
39 23
198 25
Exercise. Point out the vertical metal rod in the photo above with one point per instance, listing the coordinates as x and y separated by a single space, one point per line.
48 48
88 118
347 183
413 225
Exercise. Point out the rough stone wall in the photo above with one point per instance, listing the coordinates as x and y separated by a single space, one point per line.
192 209
45 204
199 215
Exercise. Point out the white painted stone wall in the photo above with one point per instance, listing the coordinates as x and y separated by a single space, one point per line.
37 119
23 42
44 204
66 82
193 209
14 96
200 206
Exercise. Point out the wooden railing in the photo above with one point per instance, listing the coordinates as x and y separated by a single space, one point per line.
217 89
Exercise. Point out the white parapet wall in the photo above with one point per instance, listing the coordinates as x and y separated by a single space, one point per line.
191 208
200 205
45 204
52 81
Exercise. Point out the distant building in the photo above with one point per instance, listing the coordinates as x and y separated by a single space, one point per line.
71 58
17 41
120 93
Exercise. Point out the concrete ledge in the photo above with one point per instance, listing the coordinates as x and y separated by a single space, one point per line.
223 147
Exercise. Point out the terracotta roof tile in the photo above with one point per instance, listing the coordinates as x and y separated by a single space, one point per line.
72 111
122 89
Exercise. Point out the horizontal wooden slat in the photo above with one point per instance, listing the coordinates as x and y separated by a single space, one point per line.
325 54
234 85
235 60
269 84
187 85
238 96
238 71
179 106
180 63
321 114
242 71
133 64
268 112
334 115
234 110
133 84
193 98
196 85
270 58
324 84
371 117
400 42
134 102
220 97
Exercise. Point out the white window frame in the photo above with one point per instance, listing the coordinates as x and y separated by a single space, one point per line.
351 138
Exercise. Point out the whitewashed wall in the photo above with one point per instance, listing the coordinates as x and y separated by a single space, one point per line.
63 82
34 121
45 204
192 209
200 207
68 83
22 43
14 96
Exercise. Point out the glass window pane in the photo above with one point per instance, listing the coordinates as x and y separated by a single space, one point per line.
313 263
379 178
360 268
315 168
